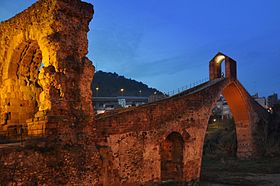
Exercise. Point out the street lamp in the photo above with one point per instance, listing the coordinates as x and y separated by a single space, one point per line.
97 89
122 90
140 91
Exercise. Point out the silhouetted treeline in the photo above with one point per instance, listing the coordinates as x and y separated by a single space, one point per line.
110 84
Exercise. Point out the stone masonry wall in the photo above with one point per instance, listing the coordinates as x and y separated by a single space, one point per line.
131 140
51 34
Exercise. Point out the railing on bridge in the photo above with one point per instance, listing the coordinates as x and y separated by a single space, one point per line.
184 88
19 134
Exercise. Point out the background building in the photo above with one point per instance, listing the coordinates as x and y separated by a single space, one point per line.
261 100
272 100
103 104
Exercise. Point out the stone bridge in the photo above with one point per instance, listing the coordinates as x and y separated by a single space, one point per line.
164 140
45 89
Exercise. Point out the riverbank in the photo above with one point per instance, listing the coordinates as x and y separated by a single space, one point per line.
241 172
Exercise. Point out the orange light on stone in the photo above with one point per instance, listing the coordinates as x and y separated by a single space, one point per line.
219 59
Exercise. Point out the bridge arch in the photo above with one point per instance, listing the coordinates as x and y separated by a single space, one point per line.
237 99
172 153
240 108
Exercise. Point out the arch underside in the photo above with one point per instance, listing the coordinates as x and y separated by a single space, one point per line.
240 108
20 89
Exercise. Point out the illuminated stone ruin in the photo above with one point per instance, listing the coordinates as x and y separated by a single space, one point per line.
44 67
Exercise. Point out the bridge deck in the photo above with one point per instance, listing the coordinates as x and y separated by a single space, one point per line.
190 91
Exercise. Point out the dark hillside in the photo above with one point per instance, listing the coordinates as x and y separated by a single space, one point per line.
110 84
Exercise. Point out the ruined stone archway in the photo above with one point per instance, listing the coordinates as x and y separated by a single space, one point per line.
20 87
60 92
172 150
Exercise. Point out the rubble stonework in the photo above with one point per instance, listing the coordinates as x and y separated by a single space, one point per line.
45 87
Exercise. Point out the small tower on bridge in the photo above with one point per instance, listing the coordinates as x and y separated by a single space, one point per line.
215 65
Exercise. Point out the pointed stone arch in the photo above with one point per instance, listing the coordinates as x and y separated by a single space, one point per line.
237 99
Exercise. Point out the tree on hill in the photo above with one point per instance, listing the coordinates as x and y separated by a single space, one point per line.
110 84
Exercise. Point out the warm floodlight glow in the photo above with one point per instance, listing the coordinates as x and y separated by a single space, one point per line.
219 58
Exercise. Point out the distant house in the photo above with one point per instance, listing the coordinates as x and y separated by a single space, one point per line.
261 100
272 100
103 104
155 97
221 110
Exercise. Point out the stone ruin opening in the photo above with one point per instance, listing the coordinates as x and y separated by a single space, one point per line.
21 88
172 150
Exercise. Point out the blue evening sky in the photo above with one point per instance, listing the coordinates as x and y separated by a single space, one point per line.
167 44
